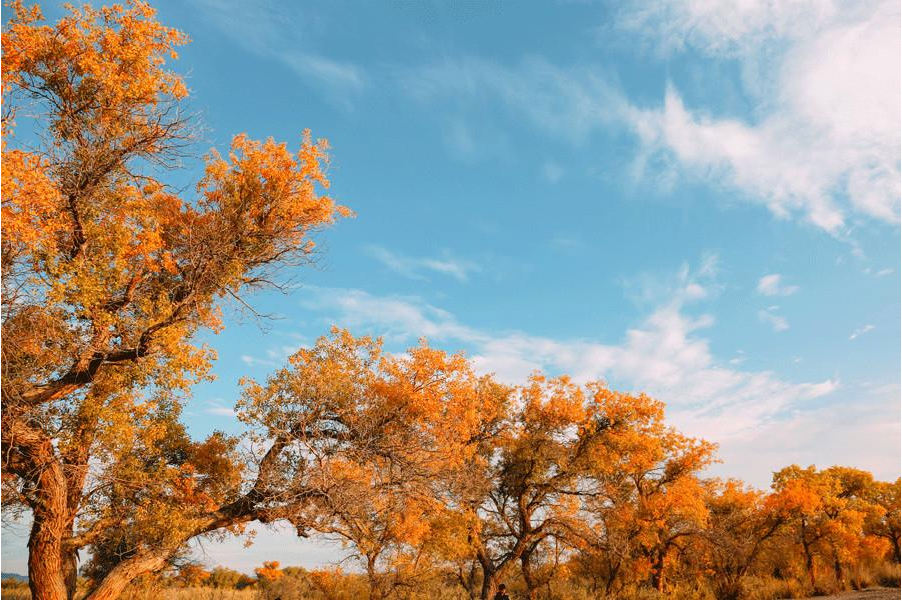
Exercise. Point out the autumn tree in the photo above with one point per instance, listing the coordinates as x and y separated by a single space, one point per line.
269 571
518 491
826 514
886 522
563 451
741 521
649 500
385 520
192 574
226 578
373 434
107 273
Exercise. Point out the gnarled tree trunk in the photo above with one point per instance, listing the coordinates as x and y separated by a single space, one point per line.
114 583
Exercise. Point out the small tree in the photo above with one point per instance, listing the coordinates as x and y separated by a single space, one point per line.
740 522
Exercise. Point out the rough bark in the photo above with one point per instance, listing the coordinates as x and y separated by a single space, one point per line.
29 453
114 583
45 561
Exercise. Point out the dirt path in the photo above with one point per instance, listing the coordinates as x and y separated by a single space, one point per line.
875 592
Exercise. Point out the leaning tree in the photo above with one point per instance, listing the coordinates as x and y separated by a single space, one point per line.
107 275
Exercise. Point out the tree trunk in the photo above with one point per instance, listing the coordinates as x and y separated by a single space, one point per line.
531 584
70 555
657 575
373 578
45 562
809 564
838 571
70 572
613 572
32 456
114 583
489 584
468 582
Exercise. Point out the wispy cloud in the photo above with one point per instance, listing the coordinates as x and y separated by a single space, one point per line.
572 103
770 317
771 285
724 28
880 273
824 142
664 355
861 331
270 30
416 267
217 407
830 120
271 357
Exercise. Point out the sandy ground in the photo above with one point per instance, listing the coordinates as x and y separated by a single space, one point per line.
875 592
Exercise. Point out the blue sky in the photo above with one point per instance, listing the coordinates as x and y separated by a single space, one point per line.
699 200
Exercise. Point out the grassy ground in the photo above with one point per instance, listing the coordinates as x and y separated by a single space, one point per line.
875 592
879 582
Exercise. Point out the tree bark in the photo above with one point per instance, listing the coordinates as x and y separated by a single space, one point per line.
489 584
70 571
114 583
373 577
45 560
29 453
528 577
657 575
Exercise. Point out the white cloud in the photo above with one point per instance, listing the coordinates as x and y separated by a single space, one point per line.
879 273
725 26
824 143
777 322
770 285
335 73
567 243
664 355
830 121
864 434
860 331
397 318
413 267
273 357
251 361
217 407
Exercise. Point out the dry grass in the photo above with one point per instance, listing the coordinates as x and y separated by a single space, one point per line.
14 589
195 592
877 581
